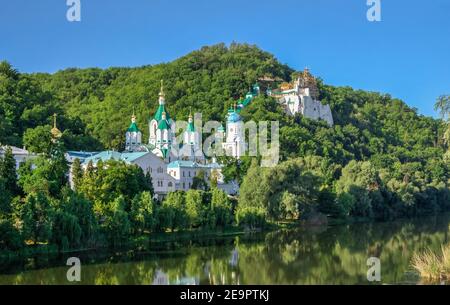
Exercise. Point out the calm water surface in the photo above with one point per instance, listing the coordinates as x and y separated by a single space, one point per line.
333 255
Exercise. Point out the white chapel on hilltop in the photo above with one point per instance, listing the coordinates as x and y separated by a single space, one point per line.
301 96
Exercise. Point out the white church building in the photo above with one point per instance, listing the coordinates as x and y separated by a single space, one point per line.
21 155
234 135
302 97
172 166
163 183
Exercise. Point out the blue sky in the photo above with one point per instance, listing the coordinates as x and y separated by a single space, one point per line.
405 55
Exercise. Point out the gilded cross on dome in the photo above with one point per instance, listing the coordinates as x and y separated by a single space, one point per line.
56 133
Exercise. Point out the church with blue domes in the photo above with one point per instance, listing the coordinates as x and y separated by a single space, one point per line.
234 135
162 141
172 165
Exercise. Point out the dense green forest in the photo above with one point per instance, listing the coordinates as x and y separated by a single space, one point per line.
381 160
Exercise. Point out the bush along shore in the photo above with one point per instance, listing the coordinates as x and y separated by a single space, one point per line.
432 266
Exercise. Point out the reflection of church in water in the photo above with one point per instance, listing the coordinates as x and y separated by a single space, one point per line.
229 276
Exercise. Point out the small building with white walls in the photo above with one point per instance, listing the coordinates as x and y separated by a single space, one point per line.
20 155
150 163
185 171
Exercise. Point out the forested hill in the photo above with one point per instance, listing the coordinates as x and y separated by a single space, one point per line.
207 80
95 105
380 160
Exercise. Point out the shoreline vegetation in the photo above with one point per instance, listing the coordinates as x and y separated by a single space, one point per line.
380 161
433 266
333 255
43 256
146 240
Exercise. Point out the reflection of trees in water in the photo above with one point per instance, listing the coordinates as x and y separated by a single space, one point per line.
337 255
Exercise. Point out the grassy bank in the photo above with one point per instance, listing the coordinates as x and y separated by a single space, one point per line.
433 266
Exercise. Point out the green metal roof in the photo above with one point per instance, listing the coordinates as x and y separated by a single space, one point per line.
191 127
163 124
256 88
247 101
191 164
113 155
133 128
165 152
159 112
132 156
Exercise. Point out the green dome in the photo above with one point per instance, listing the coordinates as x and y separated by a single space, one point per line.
133 128
191 127
159 112
163 124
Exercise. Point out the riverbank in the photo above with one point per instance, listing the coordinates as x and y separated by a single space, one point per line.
335 255
147 240
143 242
433 266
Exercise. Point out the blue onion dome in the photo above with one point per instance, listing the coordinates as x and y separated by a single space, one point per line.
234 117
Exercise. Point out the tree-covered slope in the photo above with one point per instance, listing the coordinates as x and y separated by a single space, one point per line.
206 80
95 105
380 160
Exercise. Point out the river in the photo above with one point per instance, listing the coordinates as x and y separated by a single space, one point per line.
326 255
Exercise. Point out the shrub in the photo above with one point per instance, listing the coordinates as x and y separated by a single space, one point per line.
254 217
432 266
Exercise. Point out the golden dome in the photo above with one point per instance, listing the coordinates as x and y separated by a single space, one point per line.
56 133
286 86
